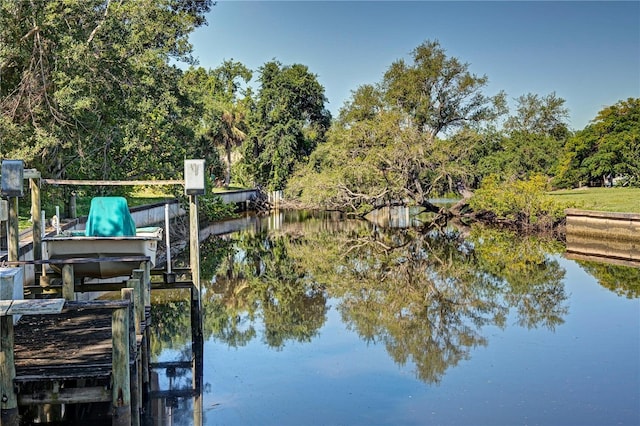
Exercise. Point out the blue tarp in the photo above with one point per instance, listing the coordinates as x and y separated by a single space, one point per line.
110 217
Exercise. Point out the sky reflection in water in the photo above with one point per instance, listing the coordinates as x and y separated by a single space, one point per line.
538 341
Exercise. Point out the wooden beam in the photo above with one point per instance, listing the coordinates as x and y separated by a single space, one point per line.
96 304
112 182
171 364
66 396
31 174
174 393
78 260
34 307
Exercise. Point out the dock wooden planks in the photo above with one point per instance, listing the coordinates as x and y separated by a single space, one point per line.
72 345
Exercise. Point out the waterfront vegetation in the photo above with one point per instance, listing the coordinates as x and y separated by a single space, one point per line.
93 90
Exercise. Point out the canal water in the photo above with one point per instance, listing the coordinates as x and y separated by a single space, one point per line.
314 319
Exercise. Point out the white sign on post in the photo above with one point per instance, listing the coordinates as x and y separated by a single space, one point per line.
194 177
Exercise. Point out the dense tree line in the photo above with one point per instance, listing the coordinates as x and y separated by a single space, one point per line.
88 89
92 89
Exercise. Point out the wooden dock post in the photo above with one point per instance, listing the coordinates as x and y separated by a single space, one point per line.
121 376
145 278
34 184
8 397
196 313
194 184
9 400
14 235
136 397
138 303
194 262
68 283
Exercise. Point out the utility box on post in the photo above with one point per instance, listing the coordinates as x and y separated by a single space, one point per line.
194 177
12 178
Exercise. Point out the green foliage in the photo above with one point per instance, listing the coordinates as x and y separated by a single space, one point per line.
425 295
260 279
608 147
621 280
532 139
212 208
539 115
287 123
523 201
223 124
534 278
384 147
88 89
439 93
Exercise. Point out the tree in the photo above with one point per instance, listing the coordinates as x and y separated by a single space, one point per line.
384 148
287 123
365 104
438 93
609 146
226 112
223 113
540 115
532 140
87 88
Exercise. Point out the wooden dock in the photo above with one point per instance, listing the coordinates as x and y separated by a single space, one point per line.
90 357
70 361
67 352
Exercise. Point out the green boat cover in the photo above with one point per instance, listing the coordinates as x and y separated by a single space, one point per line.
110 217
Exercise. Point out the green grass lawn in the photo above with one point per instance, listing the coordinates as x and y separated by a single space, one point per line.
625 200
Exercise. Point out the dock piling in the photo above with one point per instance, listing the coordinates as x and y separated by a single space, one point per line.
68 282
136 397
121 377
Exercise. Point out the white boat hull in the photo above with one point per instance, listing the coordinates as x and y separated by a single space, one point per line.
75 246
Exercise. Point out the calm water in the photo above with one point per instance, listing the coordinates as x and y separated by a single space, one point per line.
320 321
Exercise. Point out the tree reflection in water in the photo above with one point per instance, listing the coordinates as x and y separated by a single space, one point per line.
425 294
622 280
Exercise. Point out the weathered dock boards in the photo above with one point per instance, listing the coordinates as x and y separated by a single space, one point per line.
64 352
74 344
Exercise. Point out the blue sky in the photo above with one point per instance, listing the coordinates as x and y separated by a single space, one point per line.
586 52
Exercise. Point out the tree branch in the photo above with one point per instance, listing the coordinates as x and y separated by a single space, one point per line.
104 17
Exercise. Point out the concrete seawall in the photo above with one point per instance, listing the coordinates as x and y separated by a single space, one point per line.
620 226
603 237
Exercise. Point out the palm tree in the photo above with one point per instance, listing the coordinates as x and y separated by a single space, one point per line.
228 133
